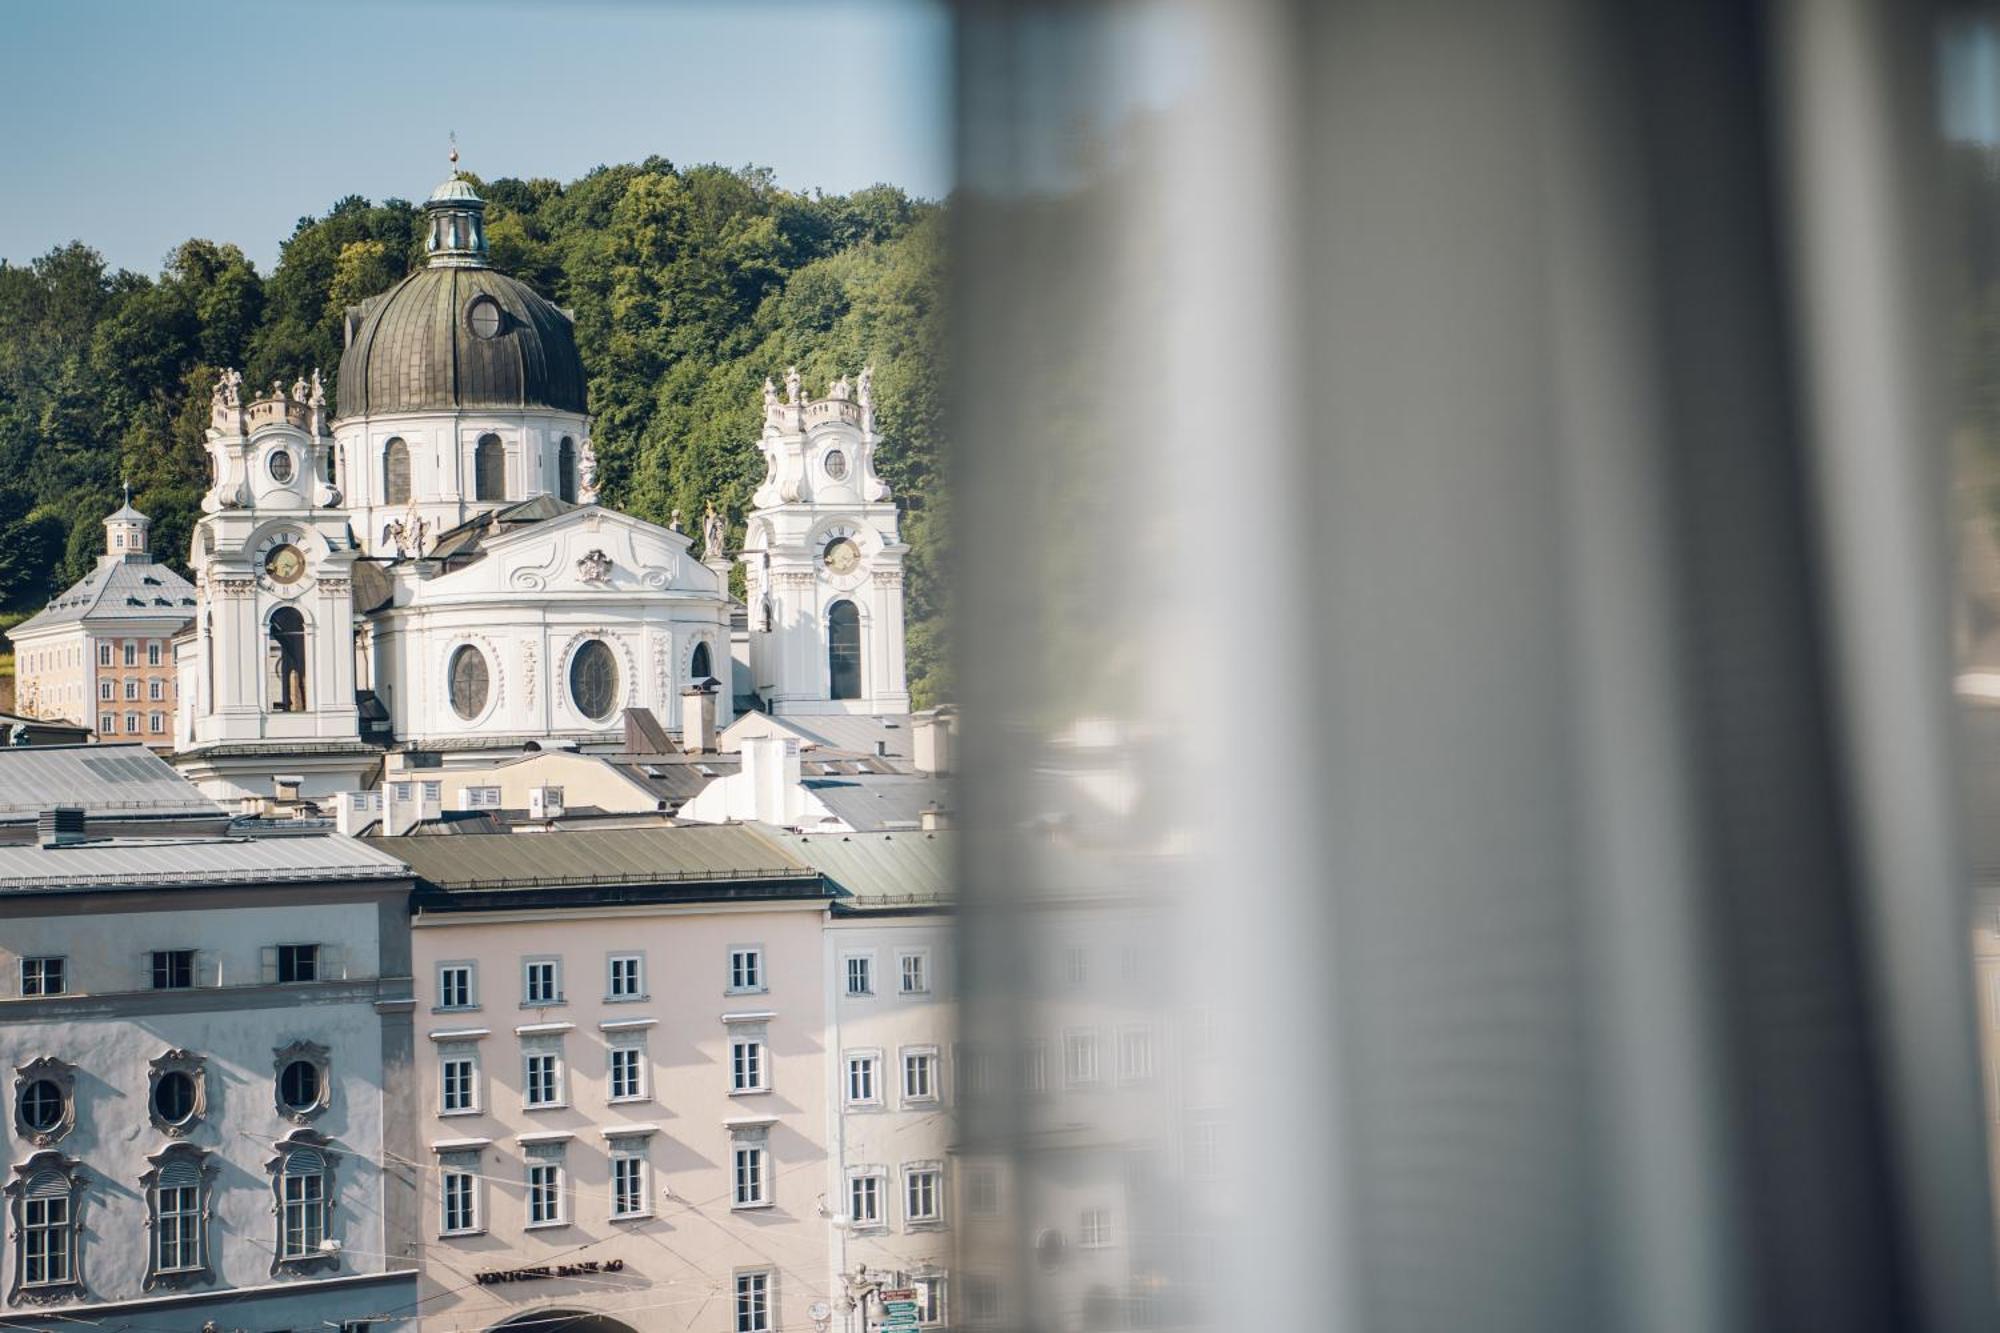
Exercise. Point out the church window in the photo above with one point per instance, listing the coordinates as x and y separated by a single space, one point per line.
469 680
698 668
288 660
835 464
593 680
843 649
566 470
280 465
483 317
489 469
396 473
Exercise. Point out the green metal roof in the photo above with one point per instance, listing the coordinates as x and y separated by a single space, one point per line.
875 871
690 854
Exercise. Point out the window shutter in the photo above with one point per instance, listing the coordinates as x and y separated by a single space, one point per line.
267 958
332 963
49 1185
207 968
179 1173
145 969
304 1162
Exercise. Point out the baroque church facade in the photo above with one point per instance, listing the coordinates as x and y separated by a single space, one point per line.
427 566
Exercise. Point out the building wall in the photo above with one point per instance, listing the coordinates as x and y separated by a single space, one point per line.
585 781
677 1264
110 1029
59 675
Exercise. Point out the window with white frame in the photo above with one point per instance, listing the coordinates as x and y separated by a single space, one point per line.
131 690
455 986
1135 1054
1035 1066
930 1298
44 976
629 1191
153 652
542 1077
541 982
860 974
104 654
923 1194
982 1190
628 1068
747 1066
482 798
303 1203
627 977
1080 1057
753 1302
458 1080
920 1081
107 724
1093 1229
458 1189
746 967
864 1199
106 691
132 723
862 1089
156 723
131 653
750 1186
545 1188
177 1216
914 972
45 1231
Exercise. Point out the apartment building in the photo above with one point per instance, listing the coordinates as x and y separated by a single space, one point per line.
622 1087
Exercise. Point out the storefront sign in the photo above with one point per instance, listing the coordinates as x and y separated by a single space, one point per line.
547 1271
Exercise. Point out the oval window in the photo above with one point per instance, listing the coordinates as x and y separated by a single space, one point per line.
280 466
298 1085
468 682
173 1097
593 680
41 1105
836 464
484 318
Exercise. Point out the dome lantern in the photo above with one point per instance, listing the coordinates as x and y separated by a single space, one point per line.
456 218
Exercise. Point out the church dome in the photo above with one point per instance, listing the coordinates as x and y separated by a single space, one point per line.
457 334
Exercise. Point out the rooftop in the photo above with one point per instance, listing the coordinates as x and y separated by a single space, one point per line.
678 855
880 870
105 781
168 862
880 801
118 589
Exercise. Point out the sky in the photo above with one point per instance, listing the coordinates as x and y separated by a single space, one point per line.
133 125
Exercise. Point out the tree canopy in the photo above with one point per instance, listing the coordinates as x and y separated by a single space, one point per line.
689 286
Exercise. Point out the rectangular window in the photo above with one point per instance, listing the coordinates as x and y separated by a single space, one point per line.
864 1200
153 653
628 977
106 691
45 1241
131 689
542 1078
746 968
930 1300
1135 1054
457 1076
156 690
628 1185
627 1073
920 1076
916 973
131 724
922 1198
455 986
298 962
104 654
541 982
749 1183
107 724
860 980
1035 1067
1093 1231
304 1215
544 1194
753 1303
482 798
460 1216
982 1191
131 653
982 1299
177 1228
861 1081
173 969
157 724
44 976
746 1066
1080 1058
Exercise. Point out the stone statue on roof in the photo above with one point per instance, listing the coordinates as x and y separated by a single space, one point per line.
586 474
770 394
792 387
712 536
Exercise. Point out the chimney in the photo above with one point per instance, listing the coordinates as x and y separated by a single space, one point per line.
545 802
285 786
698 719
932 818
408 803
930 743
61 826
881 749
771 771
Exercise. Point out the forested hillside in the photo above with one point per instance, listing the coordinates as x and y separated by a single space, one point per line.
689 286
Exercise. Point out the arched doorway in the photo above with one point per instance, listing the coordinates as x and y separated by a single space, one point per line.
288 661
843 649
563 1321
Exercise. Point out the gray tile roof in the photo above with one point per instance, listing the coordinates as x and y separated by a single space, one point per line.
851 733
880 870
703 853
105 780
120 588
167 862
891 801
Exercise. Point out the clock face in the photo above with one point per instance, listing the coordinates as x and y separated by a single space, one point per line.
285 563
842 555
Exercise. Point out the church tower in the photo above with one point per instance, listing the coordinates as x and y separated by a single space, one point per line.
269 669
823 563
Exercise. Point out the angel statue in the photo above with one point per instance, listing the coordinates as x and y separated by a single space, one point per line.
792 384
586 474
711 536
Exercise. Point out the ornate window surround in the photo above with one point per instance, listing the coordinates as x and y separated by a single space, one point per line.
177 1061
320 1058
63 1075
204 1163
16 1190
319 1260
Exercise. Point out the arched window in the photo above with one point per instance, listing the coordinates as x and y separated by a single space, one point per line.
489 469
47 1256
396 473
698 667
288 661
303 1199
843 649
177 1184
566 470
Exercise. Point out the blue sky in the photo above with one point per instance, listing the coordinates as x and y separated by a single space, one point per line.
134 124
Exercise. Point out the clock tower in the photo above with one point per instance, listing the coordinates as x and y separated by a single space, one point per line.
270 665
822 560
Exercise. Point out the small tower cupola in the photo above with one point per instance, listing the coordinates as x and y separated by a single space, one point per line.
125 531
455 218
